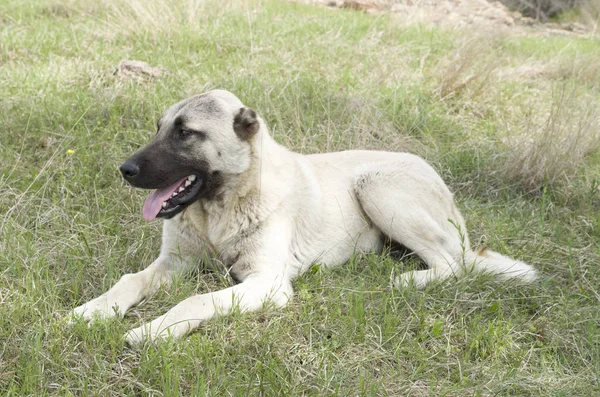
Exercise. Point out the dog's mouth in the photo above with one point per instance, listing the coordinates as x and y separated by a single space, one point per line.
169 201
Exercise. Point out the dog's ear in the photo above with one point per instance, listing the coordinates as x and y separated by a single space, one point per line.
245 123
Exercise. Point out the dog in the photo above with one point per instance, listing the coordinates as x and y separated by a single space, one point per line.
228 191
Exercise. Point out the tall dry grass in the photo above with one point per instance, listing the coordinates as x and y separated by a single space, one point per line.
553 149
545 131
465 73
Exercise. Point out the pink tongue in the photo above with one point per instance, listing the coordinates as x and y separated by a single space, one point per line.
153 203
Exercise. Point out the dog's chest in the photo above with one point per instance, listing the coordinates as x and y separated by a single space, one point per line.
229 230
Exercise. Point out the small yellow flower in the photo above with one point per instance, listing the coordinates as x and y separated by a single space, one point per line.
70 151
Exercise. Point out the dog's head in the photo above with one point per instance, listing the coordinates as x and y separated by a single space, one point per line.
199 142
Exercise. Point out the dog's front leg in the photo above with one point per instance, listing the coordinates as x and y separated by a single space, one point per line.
190 313
132 288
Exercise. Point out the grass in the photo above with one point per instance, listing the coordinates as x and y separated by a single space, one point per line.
323 79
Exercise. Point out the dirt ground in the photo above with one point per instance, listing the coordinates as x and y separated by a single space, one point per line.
458 14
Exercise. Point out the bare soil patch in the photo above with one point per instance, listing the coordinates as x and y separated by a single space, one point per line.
457 14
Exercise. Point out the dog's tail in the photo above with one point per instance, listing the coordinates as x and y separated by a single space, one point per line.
489 261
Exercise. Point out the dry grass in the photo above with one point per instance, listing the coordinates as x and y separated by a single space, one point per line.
547 113
464 74
584 68
157 16
552 150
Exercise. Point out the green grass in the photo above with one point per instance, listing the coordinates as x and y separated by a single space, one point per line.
323 79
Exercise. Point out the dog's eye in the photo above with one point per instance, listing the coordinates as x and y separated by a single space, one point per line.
183 133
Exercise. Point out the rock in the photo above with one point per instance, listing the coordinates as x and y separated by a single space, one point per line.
139 69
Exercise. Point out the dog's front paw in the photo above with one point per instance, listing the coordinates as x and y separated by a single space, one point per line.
160 329
415 278
146 333
96 309
404 280
136 336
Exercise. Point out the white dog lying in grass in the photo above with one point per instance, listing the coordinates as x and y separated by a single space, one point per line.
229 191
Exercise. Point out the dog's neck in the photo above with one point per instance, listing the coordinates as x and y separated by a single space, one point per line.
268 159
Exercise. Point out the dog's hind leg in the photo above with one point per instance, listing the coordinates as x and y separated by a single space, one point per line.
412 206
410 203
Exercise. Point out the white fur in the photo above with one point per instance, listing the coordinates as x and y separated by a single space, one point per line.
285 211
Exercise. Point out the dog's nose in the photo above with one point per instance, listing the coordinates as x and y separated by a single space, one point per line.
129 170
